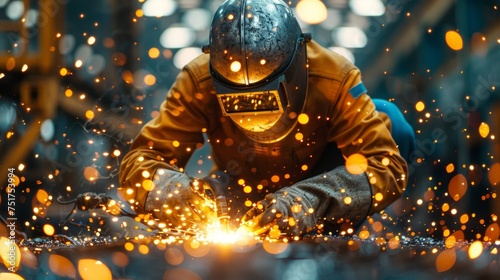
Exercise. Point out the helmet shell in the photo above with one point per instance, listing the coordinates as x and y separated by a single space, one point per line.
252 41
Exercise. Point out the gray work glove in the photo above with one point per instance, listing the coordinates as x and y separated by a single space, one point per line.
302 207
179 201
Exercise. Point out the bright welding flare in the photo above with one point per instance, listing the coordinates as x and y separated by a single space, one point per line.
217 234
219 231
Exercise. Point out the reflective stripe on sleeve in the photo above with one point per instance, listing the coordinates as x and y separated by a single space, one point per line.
357 90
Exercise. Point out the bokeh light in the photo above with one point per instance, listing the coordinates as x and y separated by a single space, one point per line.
120 259
174 256
10 276
15 10
475 249
454 40
48 229
372 8
274 248
356 163
91 173
311 11
484 130
349 37
196 248
61 266
198 19
494 174
457 187
47 130
159 8
420 106
183 56
446 260
177 37
90 269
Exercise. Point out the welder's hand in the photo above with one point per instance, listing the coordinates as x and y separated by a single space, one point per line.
286 210
215 184
179 201
336 197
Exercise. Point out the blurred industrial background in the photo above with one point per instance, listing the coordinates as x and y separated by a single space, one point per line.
78 79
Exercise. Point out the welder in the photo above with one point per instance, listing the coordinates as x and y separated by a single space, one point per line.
297 143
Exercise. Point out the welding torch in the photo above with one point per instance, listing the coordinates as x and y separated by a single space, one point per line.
222 212
221 205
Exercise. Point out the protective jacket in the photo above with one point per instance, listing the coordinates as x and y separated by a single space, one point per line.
337 111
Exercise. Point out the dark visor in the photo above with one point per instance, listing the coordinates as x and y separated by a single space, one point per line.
264 99
256 102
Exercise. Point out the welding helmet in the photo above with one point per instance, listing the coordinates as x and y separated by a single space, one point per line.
258 63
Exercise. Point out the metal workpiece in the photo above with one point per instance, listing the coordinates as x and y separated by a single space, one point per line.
320 257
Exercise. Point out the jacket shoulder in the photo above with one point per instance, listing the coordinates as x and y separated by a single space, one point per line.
199 68
327 63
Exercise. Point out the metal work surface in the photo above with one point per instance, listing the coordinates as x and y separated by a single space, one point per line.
315 258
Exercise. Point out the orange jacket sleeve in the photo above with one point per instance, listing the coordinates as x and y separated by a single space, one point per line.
364 137
167 141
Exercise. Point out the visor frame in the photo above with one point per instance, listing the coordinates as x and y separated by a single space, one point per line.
276 86
276 93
